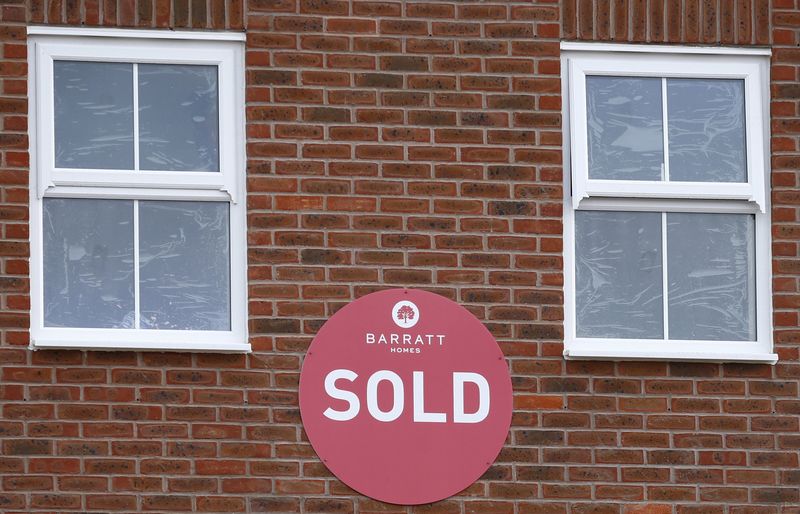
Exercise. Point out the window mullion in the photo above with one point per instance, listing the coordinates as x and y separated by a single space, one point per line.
136 116
664 275
665 130
136 301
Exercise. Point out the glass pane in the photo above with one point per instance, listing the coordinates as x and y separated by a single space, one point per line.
88 263
184 269
711 276
626 141
706 130
618 274
93 115
178 121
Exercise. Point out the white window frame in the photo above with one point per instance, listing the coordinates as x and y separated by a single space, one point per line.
225 50
581 193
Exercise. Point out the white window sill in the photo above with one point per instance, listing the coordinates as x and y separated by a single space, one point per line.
682 355
111 345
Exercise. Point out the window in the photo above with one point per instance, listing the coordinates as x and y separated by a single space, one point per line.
667 227
137 211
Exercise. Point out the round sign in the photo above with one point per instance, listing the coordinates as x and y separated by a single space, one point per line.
405 396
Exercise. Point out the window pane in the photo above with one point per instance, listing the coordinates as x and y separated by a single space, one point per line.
618 274
626 141
178 121
93 115
706 130
88 263
711 276
184 268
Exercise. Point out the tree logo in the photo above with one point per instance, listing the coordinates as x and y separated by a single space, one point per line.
405 314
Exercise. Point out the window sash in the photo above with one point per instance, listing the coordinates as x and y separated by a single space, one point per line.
226 55
234 340
749 68
759 350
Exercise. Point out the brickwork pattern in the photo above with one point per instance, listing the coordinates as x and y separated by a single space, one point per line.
402 143
726 22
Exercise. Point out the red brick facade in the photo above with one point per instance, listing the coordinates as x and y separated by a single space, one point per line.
402 143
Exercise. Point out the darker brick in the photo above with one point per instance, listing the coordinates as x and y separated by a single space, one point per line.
379 80
311 256
27 447
404 63
275 326
272 77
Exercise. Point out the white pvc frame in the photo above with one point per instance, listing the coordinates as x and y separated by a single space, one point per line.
581 193
46 44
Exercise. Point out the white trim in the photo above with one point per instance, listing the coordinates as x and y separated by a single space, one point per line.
137 306
138 193
664 276
665 132
628 354
669 205
42 30
185 345
567 46
136 179
227 53
136 141
751 198
674 189
227 56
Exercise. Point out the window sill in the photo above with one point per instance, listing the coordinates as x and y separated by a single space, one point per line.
682 355
203 347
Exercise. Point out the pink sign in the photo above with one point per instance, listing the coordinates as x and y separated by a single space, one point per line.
405 396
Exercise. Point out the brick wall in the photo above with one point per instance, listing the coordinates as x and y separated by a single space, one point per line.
402 144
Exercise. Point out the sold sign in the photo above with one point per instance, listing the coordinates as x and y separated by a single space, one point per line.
405 396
